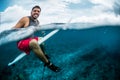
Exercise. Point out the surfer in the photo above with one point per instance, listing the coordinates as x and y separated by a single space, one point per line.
31 43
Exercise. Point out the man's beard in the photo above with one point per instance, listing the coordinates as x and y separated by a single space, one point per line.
35 16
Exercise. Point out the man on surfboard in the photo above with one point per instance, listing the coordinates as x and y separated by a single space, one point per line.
31 43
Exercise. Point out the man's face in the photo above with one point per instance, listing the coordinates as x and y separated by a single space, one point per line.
35 13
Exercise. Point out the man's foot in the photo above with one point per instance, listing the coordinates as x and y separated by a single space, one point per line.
53 67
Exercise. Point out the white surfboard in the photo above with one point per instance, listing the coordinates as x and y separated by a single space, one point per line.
39 42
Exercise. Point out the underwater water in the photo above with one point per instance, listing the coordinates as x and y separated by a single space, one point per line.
82 54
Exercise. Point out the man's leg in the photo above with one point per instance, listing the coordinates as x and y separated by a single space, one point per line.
37 50
42 46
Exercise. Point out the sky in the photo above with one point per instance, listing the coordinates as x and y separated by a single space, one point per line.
61 11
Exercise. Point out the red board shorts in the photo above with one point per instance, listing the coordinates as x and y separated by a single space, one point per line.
23 45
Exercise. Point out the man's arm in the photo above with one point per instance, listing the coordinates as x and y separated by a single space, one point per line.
22 23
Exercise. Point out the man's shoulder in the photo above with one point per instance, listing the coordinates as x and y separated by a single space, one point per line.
24 18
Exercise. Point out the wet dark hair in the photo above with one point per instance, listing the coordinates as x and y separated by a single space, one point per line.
36 7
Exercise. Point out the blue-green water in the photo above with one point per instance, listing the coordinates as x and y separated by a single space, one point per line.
86 54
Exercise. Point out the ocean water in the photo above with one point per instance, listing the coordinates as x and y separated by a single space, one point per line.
82 54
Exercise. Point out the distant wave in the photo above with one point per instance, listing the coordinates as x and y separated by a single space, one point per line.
15 34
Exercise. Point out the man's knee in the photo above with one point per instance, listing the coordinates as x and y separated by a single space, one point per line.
33 43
